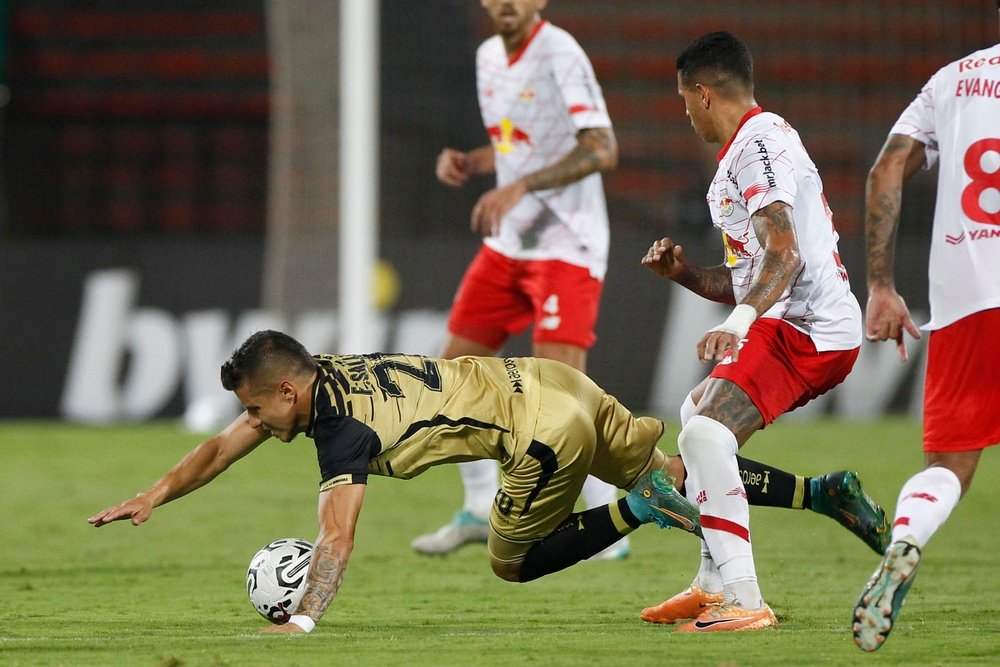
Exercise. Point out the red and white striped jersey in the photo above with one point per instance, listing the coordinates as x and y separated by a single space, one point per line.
533 105
957 118
765 162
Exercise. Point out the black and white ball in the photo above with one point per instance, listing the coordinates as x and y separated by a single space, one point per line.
276 578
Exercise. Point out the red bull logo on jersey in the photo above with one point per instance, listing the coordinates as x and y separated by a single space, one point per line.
505 136
734 249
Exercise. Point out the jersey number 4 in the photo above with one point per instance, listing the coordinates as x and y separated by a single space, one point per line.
982 180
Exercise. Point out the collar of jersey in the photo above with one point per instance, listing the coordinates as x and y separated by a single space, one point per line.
520 52
747 116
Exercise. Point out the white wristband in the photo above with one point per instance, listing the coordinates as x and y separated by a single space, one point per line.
739 321
303 621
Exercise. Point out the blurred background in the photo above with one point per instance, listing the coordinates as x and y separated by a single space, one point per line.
168 182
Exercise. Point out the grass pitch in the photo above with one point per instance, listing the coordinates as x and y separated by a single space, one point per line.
171 592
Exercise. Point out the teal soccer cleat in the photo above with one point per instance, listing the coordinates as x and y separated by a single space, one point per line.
839 496
655 500
880 602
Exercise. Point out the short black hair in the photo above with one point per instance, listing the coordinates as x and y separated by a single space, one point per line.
262 353
718 59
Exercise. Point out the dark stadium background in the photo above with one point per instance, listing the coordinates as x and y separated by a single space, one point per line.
136 135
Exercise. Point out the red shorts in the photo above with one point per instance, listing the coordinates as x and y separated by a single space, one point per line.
962 387
780 369
500 296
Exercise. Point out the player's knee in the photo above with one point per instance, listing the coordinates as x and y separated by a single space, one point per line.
506 571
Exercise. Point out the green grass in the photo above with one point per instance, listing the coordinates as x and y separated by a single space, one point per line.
172 591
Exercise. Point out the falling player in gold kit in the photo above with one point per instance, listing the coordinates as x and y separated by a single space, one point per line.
547 424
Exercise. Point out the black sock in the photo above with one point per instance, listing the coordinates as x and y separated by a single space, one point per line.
579 537
767 486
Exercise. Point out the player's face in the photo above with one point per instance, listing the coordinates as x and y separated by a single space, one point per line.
513 17
695 108
270 410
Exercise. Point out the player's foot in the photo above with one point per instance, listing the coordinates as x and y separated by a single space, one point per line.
689 603
839 496
620 550
655 500
882 598
731 617
464 528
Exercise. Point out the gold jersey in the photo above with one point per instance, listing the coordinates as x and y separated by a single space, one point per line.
396 415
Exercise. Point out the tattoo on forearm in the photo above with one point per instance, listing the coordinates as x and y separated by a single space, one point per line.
326 573
714 283
883 203
583 160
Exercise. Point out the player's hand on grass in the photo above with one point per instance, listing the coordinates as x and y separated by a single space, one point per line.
666 259
284 628
493 206
887 317
137 509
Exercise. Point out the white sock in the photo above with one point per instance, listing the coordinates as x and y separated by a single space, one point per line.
687 409
708 579
924 503
481 480
597 493
709 452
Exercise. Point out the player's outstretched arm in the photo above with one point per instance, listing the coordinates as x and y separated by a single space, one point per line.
339 508
200 466
886 315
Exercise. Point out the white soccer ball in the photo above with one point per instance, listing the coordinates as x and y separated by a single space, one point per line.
276 578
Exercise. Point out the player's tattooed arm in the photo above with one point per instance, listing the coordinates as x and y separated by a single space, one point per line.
339 508
596 150
326 574
900 158
667 260
781 261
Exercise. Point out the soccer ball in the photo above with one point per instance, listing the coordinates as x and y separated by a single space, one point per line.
276 578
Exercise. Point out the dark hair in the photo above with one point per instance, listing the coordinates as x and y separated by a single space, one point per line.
263 353
718 59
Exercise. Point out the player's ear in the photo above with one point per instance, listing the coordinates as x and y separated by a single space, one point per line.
705 94
288 390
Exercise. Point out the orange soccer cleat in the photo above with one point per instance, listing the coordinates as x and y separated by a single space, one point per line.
689 603
730 616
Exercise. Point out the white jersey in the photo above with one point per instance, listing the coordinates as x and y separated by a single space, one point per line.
533 105
957 114
765 162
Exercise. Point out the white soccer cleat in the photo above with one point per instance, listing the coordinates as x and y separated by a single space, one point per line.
466 527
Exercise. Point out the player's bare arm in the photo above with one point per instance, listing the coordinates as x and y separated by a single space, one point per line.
596 150
667 260
775 230
200 466
454 168
887 316
338 515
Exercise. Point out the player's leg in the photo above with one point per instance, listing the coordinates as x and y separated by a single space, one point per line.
485 312
962 388
565 300
838 495
740 398
535 531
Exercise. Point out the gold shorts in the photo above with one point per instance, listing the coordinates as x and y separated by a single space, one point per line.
580 431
